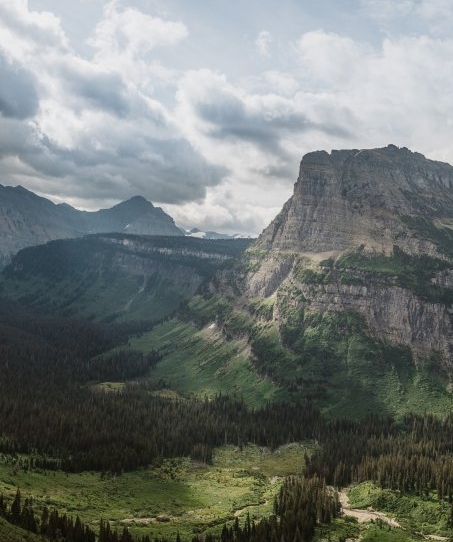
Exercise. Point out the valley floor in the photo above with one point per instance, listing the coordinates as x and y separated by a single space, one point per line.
179 496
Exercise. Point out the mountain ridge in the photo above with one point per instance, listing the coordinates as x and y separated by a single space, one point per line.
27 219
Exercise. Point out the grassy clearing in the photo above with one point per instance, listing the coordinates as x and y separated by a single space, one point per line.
204 364
178 496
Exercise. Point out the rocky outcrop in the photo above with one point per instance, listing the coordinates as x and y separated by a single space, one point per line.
391 313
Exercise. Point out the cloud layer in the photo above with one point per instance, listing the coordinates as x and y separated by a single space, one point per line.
147 111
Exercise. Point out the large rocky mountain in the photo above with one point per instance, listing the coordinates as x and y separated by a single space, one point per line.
27 219
351 198
368 232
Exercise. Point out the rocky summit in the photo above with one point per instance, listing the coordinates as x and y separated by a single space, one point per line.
368 232
353 198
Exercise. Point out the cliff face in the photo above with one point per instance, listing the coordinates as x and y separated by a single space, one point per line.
366 232
353 198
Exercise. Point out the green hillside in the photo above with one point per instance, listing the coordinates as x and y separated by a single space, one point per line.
281 347
12 533
145 385
115 277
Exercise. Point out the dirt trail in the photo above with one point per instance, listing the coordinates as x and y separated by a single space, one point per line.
364 515
369 514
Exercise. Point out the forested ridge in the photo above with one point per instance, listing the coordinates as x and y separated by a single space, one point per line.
60 259
50 411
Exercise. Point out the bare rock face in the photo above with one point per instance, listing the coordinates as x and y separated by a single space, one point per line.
392 207
351 198
392 313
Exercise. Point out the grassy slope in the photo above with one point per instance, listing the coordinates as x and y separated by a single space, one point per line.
355 377
203 363
191 497
118 296
115 276
11 533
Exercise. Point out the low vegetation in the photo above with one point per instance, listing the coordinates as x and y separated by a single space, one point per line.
179 495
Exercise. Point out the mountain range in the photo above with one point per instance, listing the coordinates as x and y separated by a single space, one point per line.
324 345
27 219
345 299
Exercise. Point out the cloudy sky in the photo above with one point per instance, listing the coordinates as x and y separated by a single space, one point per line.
206 107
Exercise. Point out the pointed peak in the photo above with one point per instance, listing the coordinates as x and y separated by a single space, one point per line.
138 199
137 203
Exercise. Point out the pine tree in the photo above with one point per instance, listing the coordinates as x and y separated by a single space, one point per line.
16 509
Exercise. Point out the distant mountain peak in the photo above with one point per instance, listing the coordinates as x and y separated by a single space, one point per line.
27 219
137 200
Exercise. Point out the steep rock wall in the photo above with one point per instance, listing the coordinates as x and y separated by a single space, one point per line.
371 200
347 199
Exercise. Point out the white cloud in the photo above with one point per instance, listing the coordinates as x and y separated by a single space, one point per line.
438 14
388 10
398 93
433 17
132 33
330 59
354 96
25 33
263 42
91 129
228 208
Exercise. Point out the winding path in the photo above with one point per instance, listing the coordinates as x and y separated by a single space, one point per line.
369 514
363 516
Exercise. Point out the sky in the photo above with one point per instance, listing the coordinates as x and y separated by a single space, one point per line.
206 107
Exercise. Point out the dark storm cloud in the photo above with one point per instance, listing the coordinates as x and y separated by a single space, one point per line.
231 120
171 172
18 95
14 136
105 91
167 171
